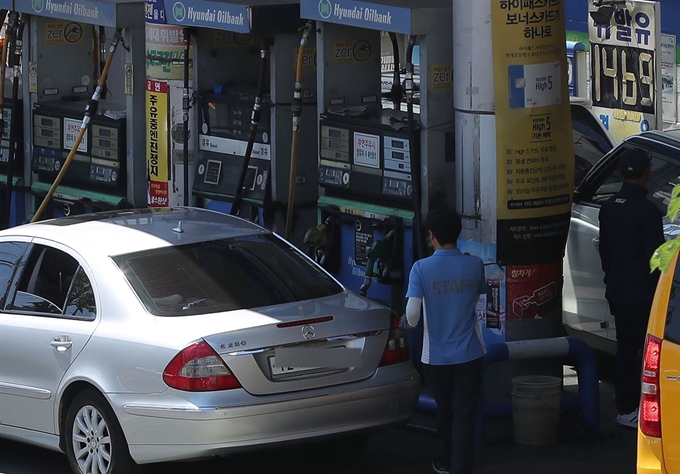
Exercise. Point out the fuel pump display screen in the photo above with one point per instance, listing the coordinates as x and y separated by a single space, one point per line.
102 150
363 158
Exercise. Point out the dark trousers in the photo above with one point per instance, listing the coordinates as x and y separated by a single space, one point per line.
631 329
456 389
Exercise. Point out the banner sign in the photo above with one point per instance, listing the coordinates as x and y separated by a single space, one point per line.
534 146
86 11
221 16
157 142
372 16
165 52
625 68
154 11
669 98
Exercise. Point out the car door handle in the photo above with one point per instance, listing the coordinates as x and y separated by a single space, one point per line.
61 343
596 243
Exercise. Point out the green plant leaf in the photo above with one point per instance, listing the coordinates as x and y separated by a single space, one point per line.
674 204
673 208
662 257
676 191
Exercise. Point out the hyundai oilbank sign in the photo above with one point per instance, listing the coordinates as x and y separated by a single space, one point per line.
85 11
360 14
221 16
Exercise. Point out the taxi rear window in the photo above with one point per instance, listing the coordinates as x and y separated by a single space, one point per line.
672 331
223 275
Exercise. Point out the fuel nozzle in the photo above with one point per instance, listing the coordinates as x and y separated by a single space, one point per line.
381 249
317 235
317 239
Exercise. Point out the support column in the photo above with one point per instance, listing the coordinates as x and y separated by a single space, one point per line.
514 166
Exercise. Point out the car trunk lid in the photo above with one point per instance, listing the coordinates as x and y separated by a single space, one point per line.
306 345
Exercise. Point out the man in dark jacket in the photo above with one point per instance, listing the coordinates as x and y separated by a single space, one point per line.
631 229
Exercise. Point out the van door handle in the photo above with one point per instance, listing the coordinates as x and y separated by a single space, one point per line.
596 242
61 343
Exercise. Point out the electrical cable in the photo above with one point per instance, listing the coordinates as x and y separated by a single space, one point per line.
90 110
296 108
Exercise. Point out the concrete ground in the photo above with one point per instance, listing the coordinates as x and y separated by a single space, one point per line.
580 450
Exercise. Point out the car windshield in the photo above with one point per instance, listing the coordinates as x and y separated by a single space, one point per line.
590 141
223 275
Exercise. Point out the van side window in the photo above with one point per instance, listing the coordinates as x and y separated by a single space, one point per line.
45 281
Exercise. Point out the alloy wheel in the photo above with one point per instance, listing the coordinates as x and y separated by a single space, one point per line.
91 441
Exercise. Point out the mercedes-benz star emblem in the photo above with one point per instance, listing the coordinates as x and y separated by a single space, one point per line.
308 332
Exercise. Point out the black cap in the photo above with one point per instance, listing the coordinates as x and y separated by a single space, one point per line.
634 162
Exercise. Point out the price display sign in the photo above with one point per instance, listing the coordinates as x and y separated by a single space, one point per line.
625 66
71 131
366 150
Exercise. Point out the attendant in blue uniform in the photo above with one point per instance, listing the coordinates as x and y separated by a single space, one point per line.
447 285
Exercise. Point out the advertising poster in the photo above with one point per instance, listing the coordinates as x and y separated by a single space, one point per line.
534 146
490 308
157 142
668 77
625 68
532 291
165 52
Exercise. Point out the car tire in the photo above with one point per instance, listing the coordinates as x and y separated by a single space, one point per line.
93 435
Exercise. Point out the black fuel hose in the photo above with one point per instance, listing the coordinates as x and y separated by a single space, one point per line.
188 32
397 90
15 63
414 155
254 121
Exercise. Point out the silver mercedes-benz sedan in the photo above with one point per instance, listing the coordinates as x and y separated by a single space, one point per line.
133 337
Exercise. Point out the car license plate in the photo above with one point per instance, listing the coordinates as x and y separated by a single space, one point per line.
279 371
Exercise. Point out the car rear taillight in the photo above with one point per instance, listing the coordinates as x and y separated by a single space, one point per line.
650 406
396 349
198 368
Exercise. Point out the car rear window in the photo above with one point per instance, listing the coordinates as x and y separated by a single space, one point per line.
672 331
223 275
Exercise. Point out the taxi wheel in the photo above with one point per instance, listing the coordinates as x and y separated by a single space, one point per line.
95 443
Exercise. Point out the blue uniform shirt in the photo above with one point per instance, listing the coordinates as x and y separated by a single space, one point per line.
449 284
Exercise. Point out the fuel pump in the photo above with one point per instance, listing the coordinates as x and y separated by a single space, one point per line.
244 142
65 68
370 150
90 111
14 127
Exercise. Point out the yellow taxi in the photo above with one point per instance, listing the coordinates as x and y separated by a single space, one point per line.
658 447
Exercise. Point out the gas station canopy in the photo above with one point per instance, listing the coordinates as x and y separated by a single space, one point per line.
260 17
411 17
111 13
